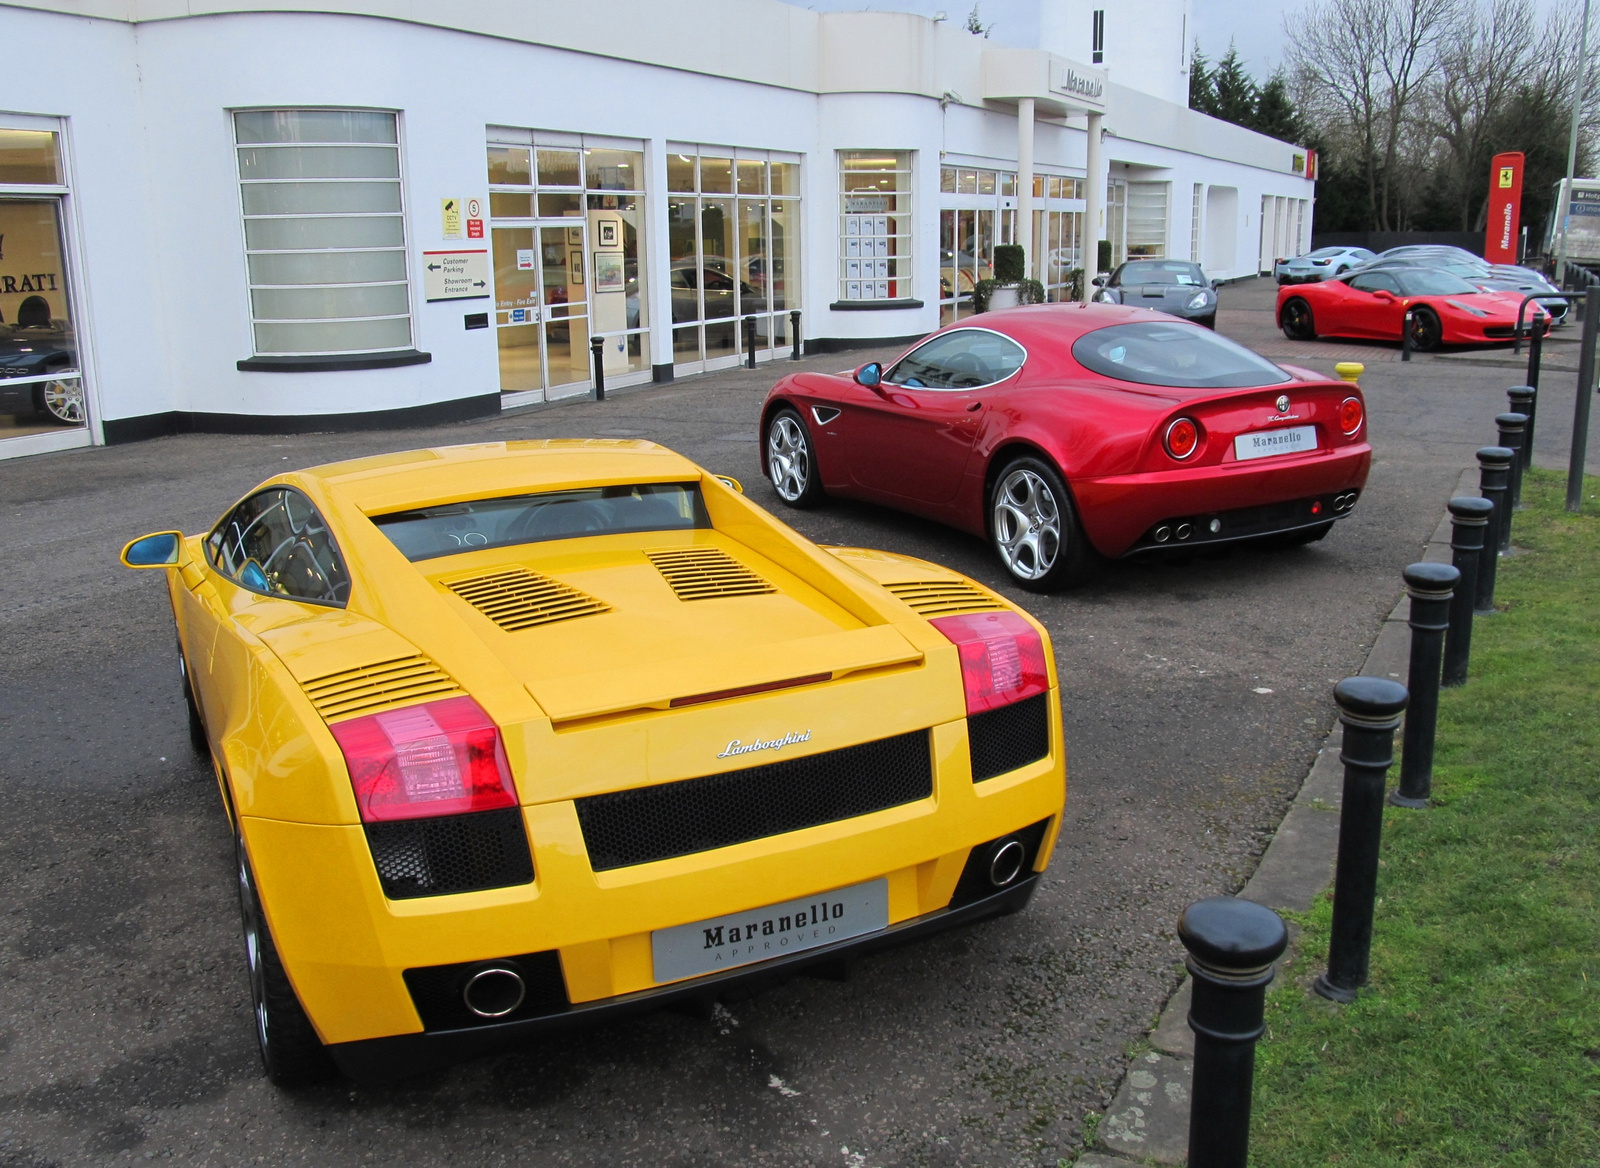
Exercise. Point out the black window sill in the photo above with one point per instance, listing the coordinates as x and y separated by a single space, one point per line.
873 305
333 362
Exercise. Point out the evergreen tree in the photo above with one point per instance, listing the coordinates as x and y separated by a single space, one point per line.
1202 92
1275 114
1235 92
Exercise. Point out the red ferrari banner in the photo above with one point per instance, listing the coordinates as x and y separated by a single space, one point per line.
1505 209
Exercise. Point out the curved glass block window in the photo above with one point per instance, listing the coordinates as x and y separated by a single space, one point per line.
875 234
324 231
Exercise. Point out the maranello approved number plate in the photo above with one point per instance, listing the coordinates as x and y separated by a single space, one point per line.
1265 443
762 933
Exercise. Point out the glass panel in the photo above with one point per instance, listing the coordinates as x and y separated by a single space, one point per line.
510 166
295 234
722 340
614 170
563 266
716 176
323 303
36 331
616 234
986 182
319 162
515 269
320 198
558 168
504 205
782 338
785 286
519 357
685 344
969 272
716 272
566 351
753 268
752 177
984 252
28 156
313 126
684 278
559 206
947 258
1008 185
947 180
327 267
967 182
680 172
785 178
334 336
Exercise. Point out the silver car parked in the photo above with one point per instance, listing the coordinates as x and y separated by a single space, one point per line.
1177 287
1326 263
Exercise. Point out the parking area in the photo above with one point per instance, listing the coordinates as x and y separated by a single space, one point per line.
1194 697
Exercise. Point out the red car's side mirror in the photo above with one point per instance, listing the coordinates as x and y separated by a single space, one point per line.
1383 294
870 375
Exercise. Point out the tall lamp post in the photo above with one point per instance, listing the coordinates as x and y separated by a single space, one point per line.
1572 148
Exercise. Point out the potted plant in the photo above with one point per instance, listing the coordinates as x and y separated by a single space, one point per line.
1010 285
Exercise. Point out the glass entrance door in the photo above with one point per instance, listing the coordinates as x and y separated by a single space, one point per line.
541 292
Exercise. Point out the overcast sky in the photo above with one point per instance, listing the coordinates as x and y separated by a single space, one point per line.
1257 27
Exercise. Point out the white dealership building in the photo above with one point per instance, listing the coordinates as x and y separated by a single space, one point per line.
260 217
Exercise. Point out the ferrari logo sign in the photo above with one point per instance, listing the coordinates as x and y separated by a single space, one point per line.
1508 177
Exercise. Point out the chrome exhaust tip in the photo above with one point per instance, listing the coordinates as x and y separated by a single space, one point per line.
494 992
1005 865
1161 534
1184 531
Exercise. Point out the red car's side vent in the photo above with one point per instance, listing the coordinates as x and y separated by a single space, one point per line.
933 598
705 573
517 599
367 689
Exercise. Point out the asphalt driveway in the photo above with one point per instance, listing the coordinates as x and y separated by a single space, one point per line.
1194 697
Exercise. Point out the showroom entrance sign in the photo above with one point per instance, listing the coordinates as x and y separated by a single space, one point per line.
455 275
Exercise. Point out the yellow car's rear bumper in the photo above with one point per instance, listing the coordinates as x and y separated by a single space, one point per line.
347 947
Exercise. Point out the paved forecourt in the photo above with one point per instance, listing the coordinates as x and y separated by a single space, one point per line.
1195 698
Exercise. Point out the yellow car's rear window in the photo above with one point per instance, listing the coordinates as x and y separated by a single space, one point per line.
451 528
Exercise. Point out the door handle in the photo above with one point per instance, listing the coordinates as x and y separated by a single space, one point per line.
974 406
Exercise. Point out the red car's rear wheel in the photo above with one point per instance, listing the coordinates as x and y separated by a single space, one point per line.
1035 529
1298 323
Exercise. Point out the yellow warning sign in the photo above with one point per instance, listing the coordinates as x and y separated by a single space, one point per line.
451 210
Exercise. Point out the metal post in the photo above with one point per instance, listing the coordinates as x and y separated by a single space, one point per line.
1469 522
1565 189
597 346
1431 586
1232 945
1513 429
1580 409
1405 337
1535 356
794 327
1524 400
1370 709
1494 464
750 342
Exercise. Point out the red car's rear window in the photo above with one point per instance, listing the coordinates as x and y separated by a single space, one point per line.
1183 355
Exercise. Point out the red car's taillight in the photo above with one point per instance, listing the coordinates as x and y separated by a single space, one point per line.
1182 438
439 758
1002 658
1350 415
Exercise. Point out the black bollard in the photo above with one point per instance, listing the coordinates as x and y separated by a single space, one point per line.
1494 464
597 346
1535 351
1523 399
1469 522
1370 709
1232 945
1405 337
794 327
1513 430
1431 586
750 342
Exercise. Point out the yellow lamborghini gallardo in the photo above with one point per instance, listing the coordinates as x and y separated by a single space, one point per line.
520 735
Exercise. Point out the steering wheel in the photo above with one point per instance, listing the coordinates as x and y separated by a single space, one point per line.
553 520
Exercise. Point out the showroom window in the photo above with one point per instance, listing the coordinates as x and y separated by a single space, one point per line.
733 234
875 232
977 209
324 232
568 242
1147 219
1058 235
41 388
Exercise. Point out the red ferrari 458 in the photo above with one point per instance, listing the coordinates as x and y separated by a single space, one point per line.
1445 309
1066 432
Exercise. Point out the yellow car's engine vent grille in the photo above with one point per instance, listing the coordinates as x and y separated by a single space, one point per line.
706 573
517 599
370 688
943 597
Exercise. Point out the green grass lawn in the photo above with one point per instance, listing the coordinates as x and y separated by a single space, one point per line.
1477 1041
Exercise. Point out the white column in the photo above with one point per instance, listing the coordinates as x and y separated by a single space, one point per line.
1094 202
658 253
1025 185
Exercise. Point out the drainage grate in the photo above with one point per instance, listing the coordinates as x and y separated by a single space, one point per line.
705 573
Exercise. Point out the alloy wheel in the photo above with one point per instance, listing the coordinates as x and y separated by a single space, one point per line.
250 909
1027 524
63 401
788 458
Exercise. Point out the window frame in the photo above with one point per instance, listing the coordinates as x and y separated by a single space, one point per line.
943 334
215 536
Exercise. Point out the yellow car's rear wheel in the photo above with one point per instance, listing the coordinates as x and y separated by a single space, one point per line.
291 1052
197 726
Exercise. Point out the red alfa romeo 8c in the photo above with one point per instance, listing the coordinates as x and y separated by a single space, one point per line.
1068 433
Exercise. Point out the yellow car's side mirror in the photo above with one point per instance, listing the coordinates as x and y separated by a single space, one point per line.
160 550
731 483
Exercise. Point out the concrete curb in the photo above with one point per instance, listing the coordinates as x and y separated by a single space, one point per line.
1148 1121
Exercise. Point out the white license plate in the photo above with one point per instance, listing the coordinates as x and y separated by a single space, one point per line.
1266 443
759 934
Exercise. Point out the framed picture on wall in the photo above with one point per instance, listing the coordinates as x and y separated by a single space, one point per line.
575 270
574 237
609 235
608 270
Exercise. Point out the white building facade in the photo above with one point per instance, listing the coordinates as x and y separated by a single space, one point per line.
239 218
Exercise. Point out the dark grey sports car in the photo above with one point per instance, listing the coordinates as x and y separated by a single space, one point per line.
1172 286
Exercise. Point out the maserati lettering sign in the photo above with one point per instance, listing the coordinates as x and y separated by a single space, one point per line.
736 747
